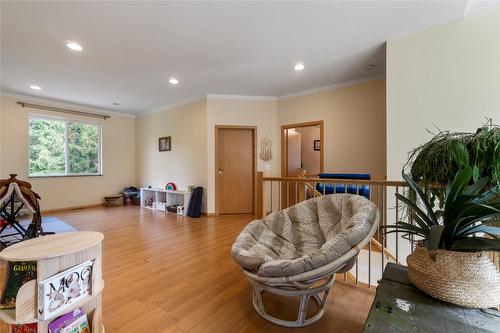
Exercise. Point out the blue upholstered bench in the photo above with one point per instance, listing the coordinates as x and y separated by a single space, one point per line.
363 190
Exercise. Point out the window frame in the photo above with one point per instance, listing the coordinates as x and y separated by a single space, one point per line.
66 121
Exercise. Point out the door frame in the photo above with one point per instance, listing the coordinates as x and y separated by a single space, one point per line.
254 173
284 145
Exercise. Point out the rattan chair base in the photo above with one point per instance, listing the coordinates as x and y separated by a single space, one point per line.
307 285
292 291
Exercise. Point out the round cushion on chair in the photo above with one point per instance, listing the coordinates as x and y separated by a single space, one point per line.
305 236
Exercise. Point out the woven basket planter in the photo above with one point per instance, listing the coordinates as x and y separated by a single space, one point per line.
468 279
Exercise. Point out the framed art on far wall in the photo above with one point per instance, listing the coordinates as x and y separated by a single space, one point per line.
317 145
165 143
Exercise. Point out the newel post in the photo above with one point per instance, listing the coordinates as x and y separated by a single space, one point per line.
301 187
259 188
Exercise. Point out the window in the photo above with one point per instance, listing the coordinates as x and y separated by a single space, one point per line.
64 147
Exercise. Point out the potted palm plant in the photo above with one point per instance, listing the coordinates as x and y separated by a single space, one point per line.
451 260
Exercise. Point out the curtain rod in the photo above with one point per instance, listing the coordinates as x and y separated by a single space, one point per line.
51 108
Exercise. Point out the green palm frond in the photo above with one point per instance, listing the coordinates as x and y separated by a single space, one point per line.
463 224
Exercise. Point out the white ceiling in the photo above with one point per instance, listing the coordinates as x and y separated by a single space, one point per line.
241 48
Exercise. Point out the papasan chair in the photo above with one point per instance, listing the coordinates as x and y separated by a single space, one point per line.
296 252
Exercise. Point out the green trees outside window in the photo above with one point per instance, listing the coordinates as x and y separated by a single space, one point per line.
60 147
83 148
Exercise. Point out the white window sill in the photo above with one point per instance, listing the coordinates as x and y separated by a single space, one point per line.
70 176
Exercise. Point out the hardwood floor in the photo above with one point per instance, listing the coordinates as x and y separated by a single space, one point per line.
167 273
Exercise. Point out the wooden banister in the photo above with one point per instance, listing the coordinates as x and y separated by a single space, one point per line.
310 187
314 190
259 189
337 181
383 250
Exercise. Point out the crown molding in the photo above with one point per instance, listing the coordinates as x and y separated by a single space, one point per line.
58 103
242 97
63 104
331 87
170 106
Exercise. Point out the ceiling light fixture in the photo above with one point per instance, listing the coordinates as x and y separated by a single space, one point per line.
173 81
370 67
35 87
299 66
74 46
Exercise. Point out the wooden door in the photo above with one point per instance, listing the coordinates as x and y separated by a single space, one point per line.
235 170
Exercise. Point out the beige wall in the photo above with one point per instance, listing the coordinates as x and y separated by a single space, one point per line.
259 113
354 125
186 163
130 146
191 126
310 157
445 77
59 192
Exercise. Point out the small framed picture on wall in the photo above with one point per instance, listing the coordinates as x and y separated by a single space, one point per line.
317 145
165 143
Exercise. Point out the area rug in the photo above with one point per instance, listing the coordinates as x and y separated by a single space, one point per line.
49 224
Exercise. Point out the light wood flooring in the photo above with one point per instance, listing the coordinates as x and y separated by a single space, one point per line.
166 273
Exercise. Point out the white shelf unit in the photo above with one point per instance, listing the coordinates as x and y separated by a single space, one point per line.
159 199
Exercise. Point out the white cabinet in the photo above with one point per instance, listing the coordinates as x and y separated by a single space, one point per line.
159 199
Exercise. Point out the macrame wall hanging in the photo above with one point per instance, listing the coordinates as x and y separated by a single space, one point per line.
265 150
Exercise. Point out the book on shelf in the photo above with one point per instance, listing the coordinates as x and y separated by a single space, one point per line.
66 320
25 328
58 292
80 325
17 273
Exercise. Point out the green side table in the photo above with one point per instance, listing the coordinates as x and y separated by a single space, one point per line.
400 307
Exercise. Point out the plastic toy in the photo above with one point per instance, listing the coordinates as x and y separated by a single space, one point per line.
171 187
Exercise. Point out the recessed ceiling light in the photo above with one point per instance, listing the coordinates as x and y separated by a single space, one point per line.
115 103
35 87
299 66
74 46
173 81
370 67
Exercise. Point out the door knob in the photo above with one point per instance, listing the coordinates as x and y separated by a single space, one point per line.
221 171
